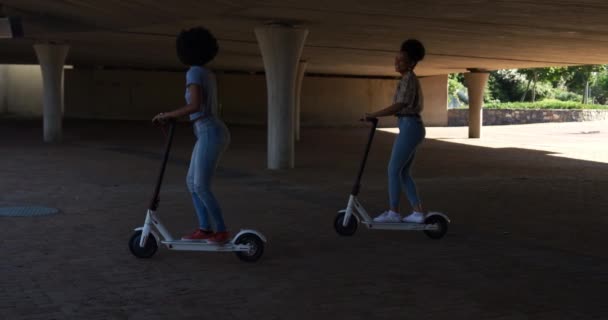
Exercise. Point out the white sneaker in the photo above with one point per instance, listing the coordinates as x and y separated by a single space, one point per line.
388 217
415 217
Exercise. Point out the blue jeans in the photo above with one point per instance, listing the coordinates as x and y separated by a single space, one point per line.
411 134
212 139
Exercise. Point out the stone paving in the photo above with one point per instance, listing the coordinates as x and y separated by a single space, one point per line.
527 239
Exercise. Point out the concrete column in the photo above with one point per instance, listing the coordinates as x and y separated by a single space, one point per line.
299 79
476 84
52 58
281 48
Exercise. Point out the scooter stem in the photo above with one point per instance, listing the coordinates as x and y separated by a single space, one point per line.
154 201
357 184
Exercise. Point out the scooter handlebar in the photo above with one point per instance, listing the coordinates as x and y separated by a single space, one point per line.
165 122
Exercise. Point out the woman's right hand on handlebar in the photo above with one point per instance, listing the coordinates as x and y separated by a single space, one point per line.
161 118
369 117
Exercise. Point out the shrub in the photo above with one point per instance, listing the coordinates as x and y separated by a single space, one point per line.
545 104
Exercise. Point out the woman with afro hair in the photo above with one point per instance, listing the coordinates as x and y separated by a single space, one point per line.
195 48
407 105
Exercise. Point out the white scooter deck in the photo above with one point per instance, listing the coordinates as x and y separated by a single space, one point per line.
354 210
400 226
171 243
202 245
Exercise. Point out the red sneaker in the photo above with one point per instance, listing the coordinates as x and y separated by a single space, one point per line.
220 237
198 235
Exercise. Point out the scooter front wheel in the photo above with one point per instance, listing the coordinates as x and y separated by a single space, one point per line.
350 227
149 248
442 227
256 247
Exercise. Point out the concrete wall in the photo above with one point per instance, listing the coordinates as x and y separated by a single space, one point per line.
138 95
460 117
342 101
325 101
242 98
3 89
328 101
435 91
121 94
21 90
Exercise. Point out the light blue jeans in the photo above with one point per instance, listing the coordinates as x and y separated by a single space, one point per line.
212 139
411 134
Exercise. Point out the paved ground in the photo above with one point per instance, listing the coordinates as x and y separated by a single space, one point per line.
529 206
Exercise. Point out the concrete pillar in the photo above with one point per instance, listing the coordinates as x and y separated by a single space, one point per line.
281 48
299 79
476 84
52 58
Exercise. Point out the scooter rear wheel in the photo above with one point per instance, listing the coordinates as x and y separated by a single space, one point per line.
256 245
442 227
347 230
149 248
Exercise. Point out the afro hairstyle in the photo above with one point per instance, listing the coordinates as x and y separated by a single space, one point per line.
196 46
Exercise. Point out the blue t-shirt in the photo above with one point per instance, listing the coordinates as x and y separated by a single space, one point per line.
206 80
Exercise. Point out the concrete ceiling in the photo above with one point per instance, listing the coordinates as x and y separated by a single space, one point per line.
357 37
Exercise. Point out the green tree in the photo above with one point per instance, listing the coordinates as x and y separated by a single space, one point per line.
551 75
586 84
580 78
599 90
454 85
505 86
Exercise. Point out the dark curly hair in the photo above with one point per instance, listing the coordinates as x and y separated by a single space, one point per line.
414 49
196 46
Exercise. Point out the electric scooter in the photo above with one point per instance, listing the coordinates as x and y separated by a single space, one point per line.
434 226
247 244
